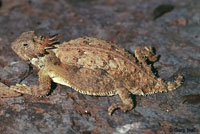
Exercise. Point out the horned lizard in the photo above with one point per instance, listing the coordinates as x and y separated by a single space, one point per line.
90 66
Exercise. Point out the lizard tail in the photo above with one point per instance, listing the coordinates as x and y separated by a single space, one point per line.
175 84
162 86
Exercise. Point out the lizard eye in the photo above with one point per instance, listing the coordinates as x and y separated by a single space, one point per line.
25 45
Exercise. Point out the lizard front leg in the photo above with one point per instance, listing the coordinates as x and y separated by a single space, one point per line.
39 91
127 104
5 92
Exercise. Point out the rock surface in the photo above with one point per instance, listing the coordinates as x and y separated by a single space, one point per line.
131 23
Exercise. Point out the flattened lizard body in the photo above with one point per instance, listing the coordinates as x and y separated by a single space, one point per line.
90 66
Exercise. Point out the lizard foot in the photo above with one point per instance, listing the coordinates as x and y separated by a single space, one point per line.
123 107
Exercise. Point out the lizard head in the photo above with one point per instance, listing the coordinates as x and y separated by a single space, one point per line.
28 45
24 45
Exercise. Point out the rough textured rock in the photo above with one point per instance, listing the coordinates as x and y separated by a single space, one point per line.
130 24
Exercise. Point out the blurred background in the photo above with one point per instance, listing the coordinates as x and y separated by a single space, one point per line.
171 26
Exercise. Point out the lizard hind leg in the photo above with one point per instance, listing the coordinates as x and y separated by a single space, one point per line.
127 104
146 54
